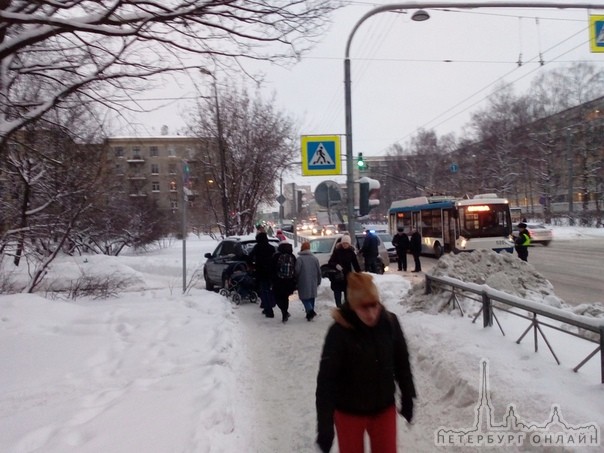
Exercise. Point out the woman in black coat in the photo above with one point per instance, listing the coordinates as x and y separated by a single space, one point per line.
364 358
343 260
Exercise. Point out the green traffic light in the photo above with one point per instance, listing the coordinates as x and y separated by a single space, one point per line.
360 161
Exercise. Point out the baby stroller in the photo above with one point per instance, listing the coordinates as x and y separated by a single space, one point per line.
239 284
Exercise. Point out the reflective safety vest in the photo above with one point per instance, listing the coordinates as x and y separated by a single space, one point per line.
527 240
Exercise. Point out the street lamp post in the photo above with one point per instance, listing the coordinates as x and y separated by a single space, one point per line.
418 16
281 189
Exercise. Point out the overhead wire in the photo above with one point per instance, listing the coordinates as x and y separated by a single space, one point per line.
490 84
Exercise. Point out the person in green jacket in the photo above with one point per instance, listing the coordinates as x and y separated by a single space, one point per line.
522 242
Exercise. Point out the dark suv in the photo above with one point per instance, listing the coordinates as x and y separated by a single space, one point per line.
230 250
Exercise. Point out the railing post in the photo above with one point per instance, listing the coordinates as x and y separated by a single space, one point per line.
428 285
602 353
487 311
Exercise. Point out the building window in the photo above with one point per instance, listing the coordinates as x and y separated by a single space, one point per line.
155 186
155 169
171 151
119 151
136 152
153 151
173 204
172 186
172 169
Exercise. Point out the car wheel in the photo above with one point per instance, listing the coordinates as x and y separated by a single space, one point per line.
438 250
209 284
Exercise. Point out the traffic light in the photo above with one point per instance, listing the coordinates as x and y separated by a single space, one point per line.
299 200
369 193
361 164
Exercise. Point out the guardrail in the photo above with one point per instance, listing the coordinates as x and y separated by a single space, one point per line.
535 309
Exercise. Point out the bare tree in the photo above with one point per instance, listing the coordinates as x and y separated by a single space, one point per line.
562 88
86 49
257 141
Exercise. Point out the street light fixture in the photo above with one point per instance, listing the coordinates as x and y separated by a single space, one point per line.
418 16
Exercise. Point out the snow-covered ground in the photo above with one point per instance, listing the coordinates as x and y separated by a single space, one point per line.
152 370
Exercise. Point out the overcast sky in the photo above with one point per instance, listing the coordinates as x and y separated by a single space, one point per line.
407 75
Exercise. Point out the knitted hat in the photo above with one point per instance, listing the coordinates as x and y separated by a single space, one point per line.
305 246
361 290
346 238
522 225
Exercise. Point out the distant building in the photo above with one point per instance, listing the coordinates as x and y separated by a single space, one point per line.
159 168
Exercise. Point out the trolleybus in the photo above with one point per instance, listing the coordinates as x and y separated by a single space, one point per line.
455 225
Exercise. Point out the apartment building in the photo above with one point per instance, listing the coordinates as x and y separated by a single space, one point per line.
157 167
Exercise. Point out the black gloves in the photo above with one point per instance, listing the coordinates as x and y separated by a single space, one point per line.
407 409
324 441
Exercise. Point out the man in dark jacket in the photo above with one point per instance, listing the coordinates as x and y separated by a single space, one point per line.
364 358
261 257
401 244
370 251
415 247
284 277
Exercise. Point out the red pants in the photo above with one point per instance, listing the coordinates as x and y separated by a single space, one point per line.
380 427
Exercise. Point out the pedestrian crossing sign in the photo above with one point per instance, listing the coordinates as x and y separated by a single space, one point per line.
321 155
596 33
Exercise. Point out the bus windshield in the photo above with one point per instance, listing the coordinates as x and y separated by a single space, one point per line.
485 220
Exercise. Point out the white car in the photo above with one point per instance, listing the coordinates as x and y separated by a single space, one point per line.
540 234
323 247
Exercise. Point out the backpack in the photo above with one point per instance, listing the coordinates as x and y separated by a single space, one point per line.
286 266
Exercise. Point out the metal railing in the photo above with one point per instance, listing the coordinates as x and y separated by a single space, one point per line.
536 310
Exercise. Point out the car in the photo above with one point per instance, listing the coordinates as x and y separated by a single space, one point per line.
540 234
387 240
328 230
324 246
286 227
230 250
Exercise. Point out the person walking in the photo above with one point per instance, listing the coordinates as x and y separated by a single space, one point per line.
342 261
308 278
370 251
401 244
522 242
415 247
280 235
364 359
284 277
261 257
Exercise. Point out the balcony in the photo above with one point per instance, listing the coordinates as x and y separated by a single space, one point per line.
138 194
136 159
137 177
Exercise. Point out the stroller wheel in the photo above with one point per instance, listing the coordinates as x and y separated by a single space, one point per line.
236 298
224 292
253 297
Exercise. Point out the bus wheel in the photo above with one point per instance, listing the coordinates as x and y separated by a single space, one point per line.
438 250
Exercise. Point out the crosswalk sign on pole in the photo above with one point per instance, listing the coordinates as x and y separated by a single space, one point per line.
596 33
321 155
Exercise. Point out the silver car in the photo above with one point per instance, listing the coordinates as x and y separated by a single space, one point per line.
540 234
324 246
